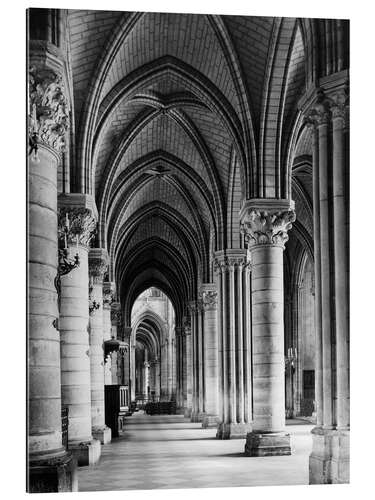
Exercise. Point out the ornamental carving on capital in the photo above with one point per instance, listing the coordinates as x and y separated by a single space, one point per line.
209 299
116 317
108 297
186 326
263 227
97 269
327 107
48 108
230 263
76 226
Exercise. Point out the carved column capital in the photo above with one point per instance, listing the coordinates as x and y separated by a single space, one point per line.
210 299
116 315
267 222
230 260
77 219
186 326
109 292
48 109
98 264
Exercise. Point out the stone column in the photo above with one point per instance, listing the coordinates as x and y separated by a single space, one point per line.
340 194
210 348
108 294
146 379
50 468
193 309
116 319
74 315
265 224
98 265
188 381
233 344
179 370
127 335
329 459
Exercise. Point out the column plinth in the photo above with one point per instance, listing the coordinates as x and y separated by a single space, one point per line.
265 224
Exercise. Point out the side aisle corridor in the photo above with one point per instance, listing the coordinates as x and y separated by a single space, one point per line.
166 451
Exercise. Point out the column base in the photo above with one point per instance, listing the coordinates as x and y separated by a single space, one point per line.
86 453
210 421
267 445
233 430
102 434
329 462
53 475
187 413
196 416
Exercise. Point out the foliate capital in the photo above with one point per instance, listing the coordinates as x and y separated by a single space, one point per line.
267 225
48 108
98 264
230 260
108 294
116 315
186 326
76 226
209 298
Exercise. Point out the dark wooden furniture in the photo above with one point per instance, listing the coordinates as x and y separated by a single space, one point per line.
161 408
64 425
116 407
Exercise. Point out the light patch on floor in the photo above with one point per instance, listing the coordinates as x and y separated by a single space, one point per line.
157 452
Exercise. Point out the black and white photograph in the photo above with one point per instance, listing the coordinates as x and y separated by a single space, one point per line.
187 188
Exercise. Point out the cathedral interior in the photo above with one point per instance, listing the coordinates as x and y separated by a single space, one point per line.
188 241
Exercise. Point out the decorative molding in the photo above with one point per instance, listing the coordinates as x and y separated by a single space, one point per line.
97 269
267 226
186 326
76 226
48 109
333 106
209 299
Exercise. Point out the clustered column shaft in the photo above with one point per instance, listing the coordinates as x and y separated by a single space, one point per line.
328 117
98 264
233 344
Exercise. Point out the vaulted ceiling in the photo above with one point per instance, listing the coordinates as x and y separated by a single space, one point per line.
177 119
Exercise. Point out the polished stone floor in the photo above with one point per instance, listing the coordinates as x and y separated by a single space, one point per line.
158 452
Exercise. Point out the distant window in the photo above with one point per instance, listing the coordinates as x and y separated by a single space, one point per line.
155 292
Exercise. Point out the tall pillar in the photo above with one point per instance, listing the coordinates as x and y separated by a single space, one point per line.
179 369
188 377
98 265
127 335
50 467
74 317
329 459
108 294
146 380
193 309
265 224
233 343
116 320
210 351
